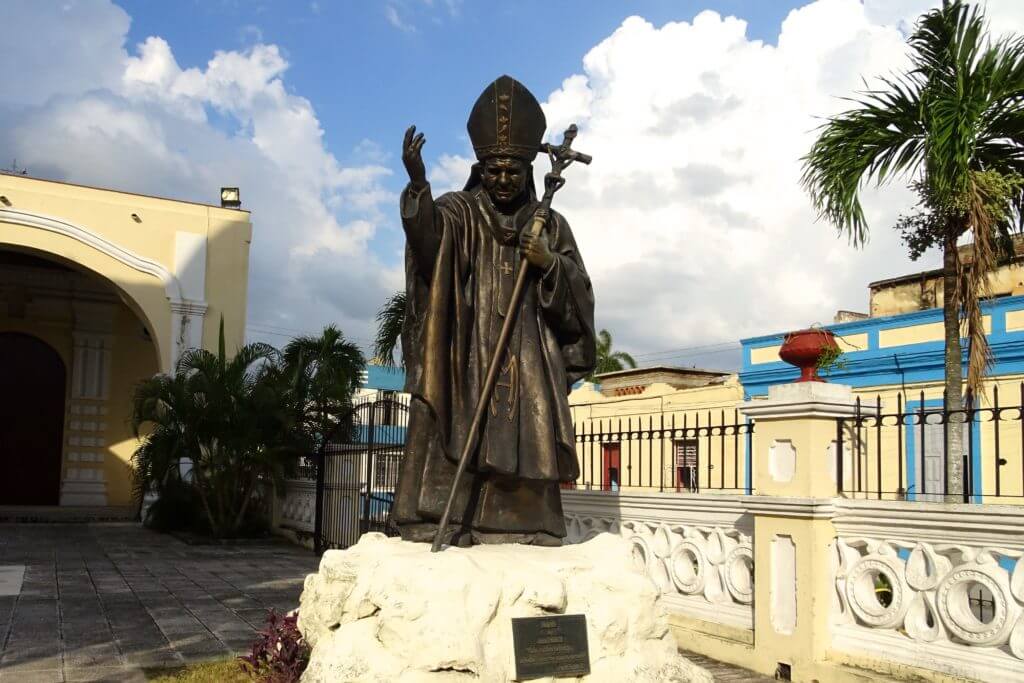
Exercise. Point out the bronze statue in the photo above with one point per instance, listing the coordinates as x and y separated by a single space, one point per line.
463 266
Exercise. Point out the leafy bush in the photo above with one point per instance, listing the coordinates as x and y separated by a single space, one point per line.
280 654
177 508
243 421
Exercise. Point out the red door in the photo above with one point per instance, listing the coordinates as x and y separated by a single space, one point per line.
32 383
611 469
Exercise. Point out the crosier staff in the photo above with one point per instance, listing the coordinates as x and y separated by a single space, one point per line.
561 157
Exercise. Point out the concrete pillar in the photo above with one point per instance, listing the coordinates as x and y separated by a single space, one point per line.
794 481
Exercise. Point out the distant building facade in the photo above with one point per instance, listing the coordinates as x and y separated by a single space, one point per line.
100 289
661 428
894 360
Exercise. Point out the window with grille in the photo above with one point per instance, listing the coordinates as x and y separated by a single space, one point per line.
685 453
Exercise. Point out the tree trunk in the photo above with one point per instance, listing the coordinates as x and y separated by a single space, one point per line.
247 492
954 373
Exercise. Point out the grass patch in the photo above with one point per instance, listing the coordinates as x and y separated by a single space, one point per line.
224 671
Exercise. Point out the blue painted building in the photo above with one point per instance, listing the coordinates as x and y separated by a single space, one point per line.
896 362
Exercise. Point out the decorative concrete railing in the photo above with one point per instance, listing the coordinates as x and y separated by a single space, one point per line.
696 549
930 561
297 511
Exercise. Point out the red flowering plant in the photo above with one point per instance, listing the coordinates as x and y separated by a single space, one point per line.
279 654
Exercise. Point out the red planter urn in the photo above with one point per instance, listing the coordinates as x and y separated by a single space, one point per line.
803 348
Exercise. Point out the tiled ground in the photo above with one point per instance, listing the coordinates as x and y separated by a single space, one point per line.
727 673
103 601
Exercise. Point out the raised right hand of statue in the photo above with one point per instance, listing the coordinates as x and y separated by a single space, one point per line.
412 158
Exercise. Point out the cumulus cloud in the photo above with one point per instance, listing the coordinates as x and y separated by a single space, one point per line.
132 118
691 219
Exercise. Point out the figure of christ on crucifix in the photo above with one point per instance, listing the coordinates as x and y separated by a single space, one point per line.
463 255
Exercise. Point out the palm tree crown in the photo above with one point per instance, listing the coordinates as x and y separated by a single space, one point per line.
953 126
607 359
226 417
325 372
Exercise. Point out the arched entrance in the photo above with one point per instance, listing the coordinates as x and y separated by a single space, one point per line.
33 381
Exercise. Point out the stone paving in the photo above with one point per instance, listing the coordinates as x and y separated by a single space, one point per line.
102 602
110 602
726 673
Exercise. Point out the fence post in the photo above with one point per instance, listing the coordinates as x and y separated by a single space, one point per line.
318 515
798 465
364 523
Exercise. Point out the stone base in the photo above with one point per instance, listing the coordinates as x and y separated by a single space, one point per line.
83 493
389 610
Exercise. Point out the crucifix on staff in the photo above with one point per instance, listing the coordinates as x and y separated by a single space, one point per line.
497 295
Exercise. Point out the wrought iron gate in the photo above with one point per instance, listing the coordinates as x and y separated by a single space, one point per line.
357 471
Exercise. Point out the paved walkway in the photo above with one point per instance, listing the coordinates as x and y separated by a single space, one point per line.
726 673
104 602
100 602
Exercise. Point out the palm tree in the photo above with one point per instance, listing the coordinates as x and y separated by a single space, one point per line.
953 125
608 360
229 417
390 319
323 372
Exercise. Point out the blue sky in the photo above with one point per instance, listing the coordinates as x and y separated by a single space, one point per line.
691 220
369 79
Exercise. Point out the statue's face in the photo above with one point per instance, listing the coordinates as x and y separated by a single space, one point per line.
504 178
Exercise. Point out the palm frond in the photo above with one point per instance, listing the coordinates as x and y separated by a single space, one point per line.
879 138
390 321
624 359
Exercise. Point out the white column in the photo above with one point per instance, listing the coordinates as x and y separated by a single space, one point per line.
186 327
84 478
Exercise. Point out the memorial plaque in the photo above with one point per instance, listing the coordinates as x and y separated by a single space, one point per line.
551 646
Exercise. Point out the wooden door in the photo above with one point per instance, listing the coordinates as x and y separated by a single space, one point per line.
32 386
611 470
931 465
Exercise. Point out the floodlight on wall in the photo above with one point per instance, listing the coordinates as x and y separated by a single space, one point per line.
4 200
135 217
230 198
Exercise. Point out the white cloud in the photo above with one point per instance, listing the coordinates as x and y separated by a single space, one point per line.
691 219
134 119
449 173
396 20
1003 15
70 48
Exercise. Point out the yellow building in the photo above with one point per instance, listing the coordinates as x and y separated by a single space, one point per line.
98 290
894 360
661 429
921 291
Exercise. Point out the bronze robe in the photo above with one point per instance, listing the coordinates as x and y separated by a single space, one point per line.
462 257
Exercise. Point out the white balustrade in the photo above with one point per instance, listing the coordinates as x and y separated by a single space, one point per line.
931 598
703 570
298 510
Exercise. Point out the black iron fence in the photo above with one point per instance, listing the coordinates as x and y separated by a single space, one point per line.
914 448
357 471
670 451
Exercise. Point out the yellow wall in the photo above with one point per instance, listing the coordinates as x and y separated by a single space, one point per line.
863 462
92 231
918 334
134 358
647 458
647 462
108 214
925 292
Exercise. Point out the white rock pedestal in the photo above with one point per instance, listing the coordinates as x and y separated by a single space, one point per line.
388 610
